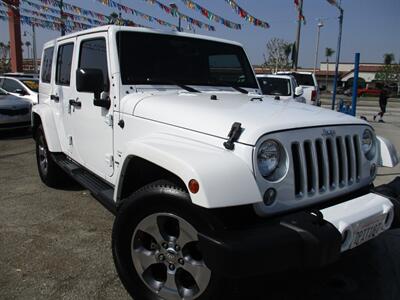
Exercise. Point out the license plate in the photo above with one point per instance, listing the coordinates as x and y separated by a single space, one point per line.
368 231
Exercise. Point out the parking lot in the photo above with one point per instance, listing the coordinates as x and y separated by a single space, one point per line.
56 243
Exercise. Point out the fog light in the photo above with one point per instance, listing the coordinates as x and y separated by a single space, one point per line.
372 171
269 196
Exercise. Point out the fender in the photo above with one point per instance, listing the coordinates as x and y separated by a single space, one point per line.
388 155
49 126
224 178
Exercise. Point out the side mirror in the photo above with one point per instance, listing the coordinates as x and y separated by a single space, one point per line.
92 81
21 92
322 88
298 91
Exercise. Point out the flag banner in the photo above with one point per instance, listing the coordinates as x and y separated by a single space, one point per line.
210 15
300 11
170 11
245 15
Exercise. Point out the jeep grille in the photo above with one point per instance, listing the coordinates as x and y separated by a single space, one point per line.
325 164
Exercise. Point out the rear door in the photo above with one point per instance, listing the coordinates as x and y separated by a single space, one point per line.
93 125
62 92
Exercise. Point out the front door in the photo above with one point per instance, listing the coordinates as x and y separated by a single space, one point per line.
92 125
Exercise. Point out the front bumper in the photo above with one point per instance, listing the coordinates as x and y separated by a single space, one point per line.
298 241
15 122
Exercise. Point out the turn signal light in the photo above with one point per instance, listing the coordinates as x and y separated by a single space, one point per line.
193 186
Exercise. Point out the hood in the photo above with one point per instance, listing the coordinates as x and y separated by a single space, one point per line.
13 102
257 114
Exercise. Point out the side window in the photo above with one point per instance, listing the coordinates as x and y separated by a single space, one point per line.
93 55
64 62
46 65
11 85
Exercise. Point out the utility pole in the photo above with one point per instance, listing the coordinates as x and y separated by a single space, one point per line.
337 58
14 26
296 61
319 25
35 69
176 12
61 6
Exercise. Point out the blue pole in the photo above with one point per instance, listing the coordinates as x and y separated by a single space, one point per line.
355 84
337 58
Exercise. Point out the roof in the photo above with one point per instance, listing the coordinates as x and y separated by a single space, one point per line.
365 69
115 28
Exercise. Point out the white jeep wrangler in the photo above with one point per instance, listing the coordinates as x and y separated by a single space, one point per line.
169 132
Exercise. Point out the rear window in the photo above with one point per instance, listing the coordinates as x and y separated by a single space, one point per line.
46 64
304 79
275 86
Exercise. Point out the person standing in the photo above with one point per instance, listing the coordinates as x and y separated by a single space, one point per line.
383 97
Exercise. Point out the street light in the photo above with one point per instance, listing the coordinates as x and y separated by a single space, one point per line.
320 25
337 5
175 11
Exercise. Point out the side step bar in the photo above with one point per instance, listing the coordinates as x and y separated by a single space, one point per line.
100 190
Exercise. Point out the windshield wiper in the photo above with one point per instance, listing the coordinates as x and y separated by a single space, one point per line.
167 81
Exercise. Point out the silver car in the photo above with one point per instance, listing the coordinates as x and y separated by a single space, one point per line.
14 112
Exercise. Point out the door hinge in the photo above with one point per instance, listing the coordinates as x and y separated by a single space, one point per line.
110 160
110 120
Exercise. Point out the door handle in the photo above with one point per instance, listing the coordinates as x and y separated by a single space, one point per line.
75 103
55 98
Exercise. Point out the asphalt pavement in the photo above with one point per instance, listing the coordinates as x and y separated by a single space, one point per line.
55 244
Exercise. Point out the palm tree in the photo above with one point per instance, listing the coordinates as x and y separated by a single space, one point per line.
27 44
328 53
388 58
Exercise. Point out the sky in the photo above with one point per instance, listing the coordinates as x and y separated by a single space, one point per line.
370 27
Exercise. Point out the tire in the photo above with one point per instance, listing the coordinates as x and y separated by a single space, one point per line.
151 222
50 173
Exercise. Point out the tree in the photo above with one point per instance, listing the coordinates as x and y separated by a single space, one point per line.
278 52
328 53
27 44
388 58
390 73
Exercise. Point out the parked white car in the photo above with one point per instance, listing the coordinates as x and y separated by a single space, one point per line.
207 178
281 87
309 83
23 87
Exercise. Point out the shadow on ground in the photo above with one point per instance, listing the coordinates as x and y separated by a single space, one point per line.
370 272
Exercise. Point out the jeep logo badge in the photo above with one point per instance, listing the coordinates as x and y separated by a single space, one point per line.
328 133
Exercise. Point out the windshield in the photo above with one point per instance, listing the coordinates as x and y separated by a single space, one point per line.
148 58
32 84
275 86
304 79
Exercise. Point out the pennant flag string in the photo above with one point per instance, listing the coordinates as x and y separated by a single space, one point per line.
210 15
173 12
245 15
110 3
128 10
45 9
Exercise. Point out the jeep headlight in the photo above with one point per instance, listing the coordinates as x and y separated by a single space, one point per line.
268 157
368 144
